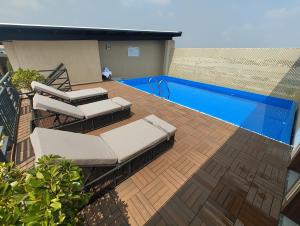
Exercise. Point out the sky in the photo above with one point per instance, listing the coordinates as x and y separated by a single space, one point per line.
204 23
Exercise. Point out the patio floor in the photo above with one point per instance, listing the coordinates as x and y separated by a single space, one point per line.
215 174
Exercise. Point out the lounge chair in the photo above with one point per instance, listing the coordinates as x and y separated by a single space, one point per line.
119 152
51 113
76 97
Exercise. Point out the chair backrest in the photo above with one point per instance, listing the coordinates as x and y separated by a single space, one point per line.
55 73
48 104
39 87
58 78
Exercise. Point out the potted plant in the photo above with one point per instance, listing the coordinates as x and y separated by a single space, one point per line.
48 194
22 79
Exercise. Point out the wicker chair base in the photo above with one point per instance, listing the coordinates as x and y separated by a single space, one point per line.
81 101
89 100
47 120
99 180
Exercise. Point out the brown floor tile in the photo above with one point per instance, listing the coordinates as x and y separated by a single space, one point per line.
215 174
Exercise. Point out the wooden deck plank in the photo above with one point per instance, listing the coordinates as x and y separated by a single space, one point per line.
214 174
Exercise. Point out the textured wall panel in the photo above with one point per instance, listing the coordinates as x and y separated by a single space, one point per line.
273 72
80 57
149 62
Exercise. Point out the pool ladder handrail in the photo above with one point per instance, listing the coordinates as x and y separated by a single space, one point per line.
149 84
159 85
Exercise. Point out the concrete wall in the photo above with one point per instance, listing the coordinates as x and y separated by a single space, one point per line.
114 55
168 55
80 57
267 71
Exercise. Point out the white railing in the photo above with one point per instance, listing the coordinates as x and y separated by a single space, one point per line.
158 84
160 90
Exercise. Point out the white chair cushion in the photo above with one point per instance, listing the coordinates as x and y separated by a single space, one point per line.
98 108
48 104
84 150
161 124
85 93
39 87
132 139
122 102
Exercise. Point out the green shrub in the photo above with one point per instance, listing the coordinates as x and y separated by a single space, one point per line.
48 194
11 194
22 78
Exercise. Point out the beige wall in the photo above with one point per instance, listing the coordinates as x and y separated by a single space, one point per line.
267 71
168 55
80 57
150 61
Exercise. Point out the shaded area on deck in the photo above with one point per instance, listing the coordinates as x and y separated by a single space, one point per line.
215 173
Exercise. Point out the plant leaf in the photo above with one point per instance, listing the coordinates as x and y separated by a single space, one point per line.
56 205
61 218
14 184
39 175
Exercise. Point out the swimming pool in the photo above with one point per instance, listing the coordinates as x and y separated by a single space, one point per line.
269 116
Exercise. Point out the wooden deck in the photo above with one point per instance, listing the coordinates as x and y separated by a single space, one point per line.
215 174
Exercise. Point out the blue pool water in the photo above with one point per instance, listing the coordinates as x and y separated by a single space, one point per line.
269 116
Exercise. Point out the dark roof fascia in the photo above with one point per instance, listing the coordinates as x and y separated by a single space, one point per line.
9 32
